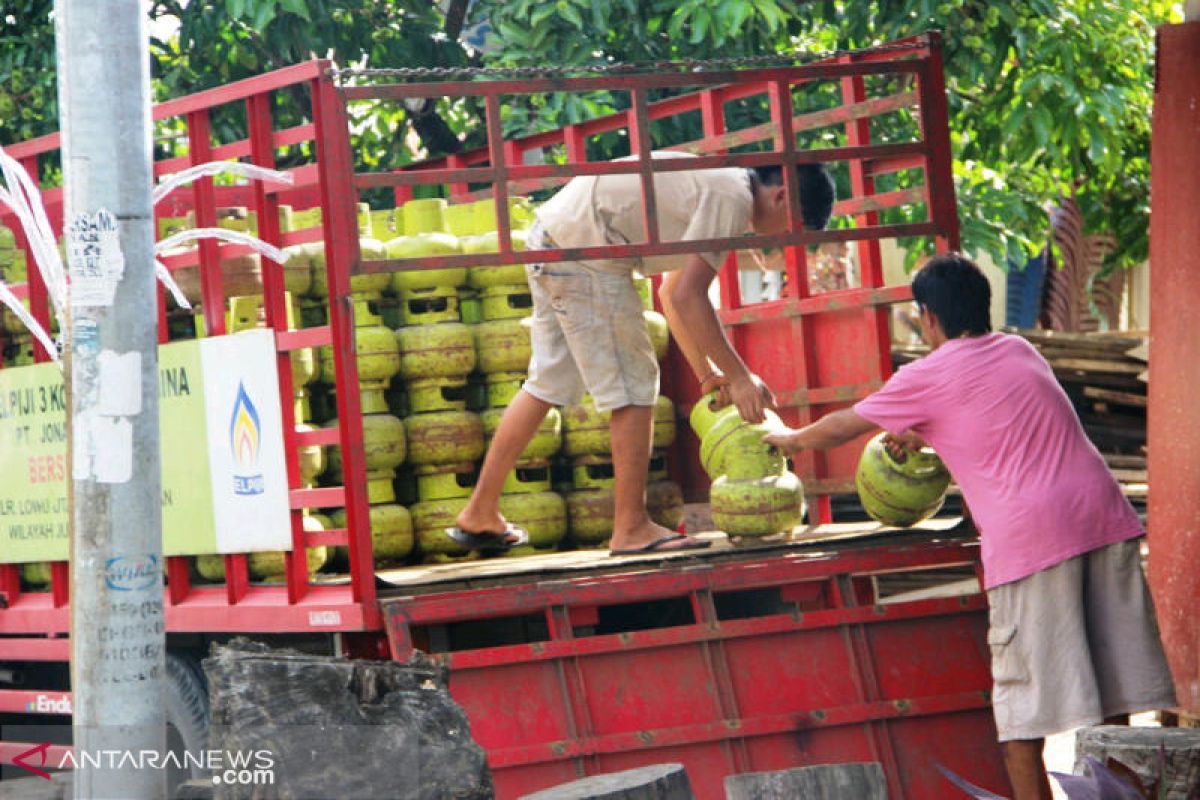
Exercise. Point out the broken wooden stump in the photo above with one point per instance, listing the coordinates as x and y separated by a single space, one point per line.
656 782
822 782
318 726
1139 749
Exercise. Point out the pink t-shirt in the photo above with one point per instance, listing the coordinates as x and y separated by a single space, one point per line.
1038 489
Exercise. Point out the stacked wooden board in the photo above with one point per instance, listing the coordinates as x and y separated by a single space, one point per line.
1104 374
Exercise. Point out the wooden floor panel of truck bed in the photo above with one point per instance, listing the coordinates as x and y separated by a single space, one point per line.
816 540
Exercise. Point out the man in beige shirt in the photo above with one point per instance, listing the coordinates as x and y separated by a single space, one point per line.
589 334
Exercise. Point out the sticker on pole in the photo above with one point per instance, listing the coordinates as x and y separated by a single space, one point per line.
95 259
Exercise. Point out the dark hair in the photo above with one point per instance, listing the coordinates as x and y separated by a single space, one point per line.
817 191
954 289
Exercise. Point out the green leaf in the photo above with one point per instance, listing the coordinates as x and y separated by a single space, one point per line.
700 21
571 14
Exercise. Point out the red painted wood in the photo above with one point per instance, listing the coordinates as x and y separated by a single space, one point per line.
1174 436
211 288
340 223
906 684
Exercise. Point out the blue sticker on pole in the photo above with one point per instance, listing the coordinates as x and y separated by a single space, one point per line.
132 573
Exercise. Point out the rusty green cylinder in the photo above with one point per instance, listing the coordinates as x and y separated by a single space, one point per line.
430 520
757 507
733 447
900 493
546 441
503 345
591 513
443 350
444 437
543 514
391 532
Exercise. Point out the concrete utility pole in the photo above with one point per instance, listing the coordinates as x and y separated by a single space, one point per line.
117 644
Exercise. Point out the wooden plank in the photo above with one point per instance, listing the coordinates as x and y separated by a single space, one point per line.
1112 396
550 566
1096 365
1116 461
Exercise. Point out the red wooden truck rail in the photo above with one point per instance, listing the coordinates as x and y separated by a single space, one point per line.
770 658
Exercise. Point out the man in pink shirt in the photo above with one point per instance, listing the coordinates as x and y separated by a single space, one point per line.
1072 629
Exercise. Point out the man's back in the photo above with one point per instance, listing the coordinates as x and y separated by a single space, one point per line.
692 205
1038 489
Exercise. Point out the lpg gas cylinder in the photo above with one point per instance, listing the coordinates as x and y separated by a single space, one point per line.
437 394
446 349
378 355
731 446
445 481
585 430
430 520
543 514
487 277
384 445
391 526
367 285
503 345
900 493
444 437
546 440
424 237
757 507
507 301
660 335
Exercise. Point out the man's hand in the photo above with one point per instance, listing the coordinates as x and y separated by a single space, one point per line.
899 445
786 441
751 397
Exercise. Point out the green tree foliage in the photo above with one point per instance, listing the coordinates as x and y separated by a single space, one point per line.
28 99
1046 97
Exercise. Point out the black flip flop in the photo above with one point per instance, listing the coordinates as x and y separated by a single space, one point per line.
656 546
489 540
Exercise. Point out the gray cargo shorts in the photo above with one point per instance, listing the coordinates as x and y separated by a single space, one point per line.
588 335
1076 643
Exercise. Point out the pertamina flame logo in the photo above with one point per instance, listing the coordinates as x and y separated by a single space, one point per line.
244 440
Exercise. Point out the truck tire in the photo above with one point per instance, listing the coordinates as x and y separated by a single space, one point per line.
186 699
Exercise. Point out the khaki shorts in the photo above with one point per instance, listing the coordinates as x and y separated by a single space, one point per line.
1074 644
589 335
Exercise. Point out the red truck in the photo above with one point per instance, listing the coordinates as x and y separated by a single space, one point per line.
846 642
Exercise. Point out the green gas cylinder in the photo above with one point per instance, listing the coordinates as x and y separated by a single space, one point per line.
487 277
660 336
444 437
445 349
430 520
424 237
543 514
503 345
546 440
757 507
731 446
900 493
366 285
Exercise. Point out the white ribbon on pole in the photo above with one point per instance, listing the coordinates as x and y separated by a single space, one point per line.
237 237
22 196
249 171
27 319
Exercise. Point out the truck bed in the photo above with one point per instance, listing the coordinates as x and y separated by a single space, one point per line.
814 540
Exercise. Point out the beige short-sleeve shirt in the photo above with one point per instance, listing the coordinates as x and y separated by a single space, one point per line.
595 210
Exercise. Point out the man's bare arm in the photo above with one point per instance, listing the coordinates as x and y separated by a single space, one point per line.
829 431
686 291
